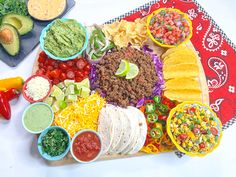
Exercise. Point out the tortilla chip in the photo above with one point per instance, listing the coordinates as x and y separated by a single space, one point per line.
184 95
181 59
181 70
182 84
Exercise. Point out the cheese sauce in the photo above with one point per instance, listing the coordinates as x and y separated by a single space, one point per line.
46 9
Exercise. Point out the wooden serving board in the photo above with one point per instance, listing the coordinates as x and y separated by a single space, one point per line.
159 51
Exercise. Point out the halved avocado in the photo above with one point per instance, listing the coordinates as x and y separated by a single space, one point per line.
22 23
10 39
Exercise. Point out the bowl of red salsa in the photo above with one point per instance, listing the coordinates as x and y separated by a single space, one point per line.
169 27
86 146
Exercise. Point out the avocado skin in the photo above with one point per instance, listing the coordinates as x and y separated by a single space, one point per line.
14 48
26 22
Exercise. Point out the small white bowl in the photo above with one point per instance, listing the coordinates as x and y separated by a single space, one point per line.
72 141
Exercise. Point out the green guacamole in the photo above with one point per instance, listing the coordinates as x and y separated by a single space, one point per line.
37 118
64 38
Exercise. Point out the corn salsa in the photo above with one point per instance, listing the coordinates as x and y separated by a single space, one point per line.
195 128
169 27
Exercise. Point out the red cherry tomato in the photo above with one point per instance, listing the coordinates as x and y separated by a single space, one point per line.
78 79
202 145
41 65
70 75
63 66
55 73
86 73
63 76
79 74
214 131
80 64
49 68
56 81
162 117
43 54
56 65
41 71
87 67
51 62
41 59
69 63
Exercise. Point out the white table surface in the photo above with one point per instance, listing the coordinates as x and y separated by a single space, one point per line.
17 156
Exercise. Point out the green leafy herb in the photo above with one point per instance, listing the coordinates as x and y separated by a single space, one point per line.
55 142
12 6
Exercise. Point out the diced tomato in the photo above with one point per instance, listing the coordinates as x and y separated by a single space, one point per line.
202 145
70 75
214 131
80 64
63 66
196 130
162 117
55 73
69 63
49 68
183 136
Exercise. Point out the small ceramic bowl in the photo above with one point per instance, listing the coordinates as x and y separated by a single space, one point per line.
28 108
43 34
73 139
25 84
45 155
167 45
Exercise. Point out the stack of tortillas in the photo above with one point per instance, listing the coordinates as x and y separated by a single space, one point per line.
181 72
122 130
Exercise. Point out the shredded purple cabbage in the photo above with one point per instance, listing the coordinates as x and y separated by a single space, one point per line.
158 67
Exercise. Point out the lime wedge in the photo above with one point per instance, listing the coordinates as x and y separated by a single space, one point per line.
85 92
56 91
68 82
48 100
83 83
123 68
133 71
62 104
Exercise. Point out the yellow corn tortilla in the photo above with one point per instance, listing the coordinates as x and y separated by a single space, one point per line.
180 53
182 59
184 95
172 50
182 84
181 70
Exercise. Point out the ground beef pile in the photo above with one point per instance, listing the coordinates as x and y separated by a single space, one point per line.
118 90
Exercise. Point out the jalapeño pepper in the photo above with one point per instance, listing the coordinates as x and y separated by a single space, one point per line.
152 118
150 108
156 133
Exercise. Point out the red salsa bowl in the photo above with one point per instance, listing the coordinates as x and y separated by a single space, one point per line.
86 146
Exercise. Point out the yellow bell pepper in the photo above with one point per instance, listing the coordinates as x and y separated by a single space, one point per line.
8 83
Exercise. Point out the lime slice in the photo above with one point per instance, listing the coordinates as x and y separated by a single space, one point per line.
123 68
85 92
48 100
83 83
133 71
68 82
56 91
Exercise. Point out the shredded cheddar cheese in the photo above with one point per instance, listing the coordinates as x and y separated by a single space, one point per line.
82 114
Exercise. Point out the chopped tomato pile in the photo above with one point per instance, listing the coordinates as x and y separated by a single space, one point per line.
169 27
58 71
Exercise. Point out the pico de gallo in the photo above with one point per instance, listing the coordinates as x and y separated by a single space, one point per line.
156 111
169 27
57 71
195 128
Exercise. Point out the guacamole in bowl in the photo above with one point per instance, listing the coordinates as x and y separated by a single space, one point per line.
64 39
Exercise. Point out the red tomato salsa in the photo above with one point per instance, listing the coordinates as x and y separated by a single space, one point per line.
169 27
86 146
57 71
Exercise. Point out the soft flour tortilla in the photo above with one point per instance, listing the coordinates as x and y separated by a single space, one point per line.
181 70
182 84
184 95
